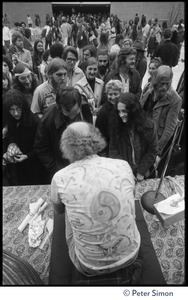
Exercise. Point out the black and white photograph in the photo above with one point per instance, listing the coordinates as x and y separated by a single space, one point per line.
93 140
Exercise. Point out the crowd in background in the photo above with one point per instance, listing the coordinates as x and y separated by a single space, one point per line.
90 68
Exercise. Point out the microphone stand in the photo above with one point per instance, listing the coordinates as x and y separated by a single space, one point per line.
151 197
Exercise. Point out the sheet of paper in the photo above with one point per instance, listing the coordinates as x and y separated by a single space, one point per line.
167 206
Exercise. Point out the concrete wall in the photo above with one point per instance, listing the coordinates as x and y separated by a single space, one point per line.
18 11
161 10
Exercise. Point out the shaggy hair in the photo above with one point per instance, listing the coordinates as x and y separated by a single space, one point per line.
17 85
122 55
70 49
37 56
68 97
15 36
76 145
8 62
14 97
56 50
55 65
163 74
103 38
156 61
91 49
136 116
114 84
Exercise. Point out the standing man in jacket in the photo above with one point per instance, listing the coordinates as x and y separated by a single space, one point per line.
126 72
168 51
69 108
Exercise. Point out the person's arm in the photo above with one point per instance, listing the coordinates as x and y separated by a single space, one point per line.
86 111
43 150
136 89
170 123
36 104
148 159
176 56
58 206
142 68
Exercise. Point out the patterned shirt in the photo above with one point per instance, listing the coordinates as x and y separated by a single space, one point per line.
99 200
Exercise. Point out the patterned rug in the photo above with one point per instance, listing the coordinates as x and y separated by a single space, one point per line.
168 243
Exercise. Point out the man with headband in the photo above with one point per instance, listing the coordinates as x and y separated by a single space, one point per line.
45 94
25 81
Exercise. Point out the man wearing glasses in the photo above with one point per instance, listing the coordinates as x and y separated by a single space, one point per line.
74 73
45 94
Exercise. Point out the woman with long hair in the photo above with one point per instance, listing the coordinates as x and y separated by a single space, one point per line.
134 137
38 50
22 165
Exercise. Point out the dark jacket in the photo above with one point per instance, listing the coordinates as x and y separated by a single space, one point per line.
141 67
47 141
104 122
30 171
165 114
135 82
168 52
145 150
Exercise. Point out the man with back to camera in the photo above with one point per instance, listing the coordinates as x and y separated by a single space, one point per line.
98 194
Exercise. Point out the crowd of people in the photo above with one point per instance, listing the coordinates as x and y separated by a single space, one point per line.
97 63
75 115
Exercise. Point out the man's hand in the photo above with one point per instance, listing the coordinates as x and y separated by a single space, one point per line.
15 59
157 160
139 177
20 157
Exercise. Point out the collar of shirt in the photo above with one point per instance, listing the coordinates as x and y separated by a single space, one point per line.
19 51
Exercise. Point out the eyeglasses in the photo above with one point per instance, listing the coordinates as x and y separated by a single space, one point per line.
13 110
71 59
25 78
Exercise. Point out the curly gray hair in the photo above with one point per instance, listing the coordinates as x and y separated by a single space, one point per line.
114 84
81 139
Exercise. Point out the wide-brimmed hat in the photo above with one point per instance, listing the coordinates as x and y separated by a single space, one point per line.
138 45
